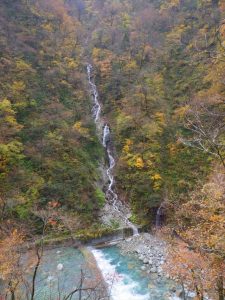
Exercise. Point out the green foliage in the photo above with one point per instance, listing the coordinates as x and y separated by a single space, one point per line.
43 93
154 61
151 58
100 196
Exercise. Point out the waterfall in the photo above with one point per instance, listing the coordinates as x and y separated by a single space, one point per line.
97 107
158 221
111 195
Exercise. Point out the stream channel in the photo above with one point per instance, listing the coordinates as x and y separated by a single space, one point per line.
123 277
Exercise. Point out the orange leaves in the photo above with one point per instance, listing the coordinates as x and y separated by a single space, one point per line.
187 267
52 222
54 204
103 60
10 255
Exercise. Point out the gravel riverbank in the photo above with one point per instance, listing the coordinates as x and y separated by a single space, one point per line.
152 252
149 249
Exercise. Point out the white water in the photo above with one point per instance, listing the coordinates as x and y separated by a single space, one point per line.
97 107
120 286
110 193
159 216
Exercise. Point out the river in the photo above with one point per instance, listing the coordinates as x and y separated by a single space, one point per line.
121 277
123 274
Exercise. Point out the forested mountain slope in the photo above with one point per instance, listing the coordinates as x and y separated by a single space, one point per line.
160 67
160 70
48 148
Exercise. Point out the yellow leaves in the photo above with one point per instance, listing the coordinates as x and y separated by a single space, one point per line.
139 163
151 130
170 4
180 112
160 118
174 36
156 177
175 148
126 20
105 67
10 255
81 130
101 54
18 91
172 149
123 121
127 145
6 106
48 27
132 160
103 59
18 86
77 126
157 181
8 119
71 63
11 120
216 218
21 65
131 66
126 149
96 53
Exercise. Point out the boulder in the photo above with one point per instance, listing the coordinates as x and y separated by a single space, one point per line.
153 270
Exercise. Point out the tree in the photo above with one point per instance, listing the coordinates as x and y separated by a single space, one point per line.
11 268
200 227
206 120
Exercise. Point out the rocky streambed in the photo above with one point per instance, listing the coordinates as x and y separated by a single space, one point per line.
149 249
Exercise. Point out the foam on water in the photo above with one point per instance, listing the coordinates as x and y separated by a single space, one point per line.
120 286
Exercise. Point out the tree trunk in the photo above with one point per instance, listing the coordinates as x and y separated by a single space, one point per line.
220 288
12 295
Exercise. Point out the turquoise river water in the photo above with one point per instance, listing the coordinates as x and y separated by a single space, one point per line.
60 273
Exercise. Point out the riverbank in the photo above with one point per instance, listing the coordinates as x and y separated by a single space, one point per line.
152 252
147 248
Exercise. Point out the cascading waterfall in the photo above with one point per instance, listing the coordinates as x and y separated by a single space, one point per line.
122 282
111 195
97 107
158 220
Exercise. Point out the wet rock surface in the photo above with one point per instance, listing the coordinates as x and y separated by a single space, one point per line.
152 252
149 249
109 215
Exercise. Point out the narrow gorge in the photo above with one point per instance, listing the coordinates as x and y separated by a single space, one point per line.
115 207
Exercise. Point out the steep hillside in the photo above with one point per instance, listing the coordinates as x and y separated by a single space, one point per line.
159 68
49 152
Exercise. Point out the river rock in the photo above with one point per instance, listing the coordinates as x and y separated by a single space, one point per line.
153 270
60 267
180 293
